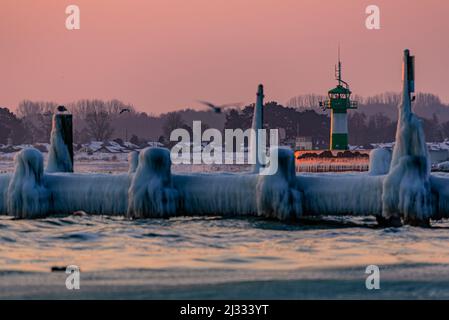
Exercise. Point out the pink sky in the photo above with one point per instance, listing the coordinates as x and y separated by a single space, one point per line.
163 55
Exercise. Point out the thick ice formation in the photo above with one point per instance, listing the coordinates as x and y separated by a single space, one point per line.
379 161
27 196
151 193
341 194
240 194
59 158
406 189
4 183
133 161
105 194
440 196
224 194
277 196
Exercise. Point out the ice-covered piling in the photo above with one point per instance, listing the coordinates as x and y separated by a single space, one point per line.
406 189
277 195
133 161
151 193
257 124
379 161
27 196
60 155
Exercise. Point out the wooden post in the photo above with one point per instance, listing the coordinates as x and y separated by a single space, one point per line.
60 156
67 132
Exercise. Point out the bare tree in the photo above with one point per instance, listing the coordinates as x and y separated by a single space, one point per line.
114 107
83 107
36 116
98 125
30 108
173 120
387 98
307 102
427 100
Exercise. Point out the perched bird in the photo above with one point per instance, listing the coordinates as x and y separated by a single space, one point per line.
124 110
218 108
62 109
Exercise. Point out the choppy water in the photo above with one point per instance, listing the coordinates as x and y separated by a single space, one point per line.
99 242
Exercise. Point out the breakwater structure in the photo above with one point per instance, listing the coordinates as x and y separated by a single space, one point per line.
398 188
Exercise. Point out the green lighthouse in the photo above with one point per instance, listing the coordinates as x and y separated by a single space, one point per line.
339 101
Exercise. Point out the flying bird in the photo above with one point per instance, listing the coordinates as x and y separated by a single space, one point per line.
124 110
218 108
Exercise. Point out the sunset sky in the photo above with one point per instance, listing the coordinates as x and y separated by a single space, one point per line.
163 55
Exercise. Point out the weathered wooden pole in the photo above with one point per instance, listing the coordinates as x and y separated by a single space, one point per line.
60 157
67 132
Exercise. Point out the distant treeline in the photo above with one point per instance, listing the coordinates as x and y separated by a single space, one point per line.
374 120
